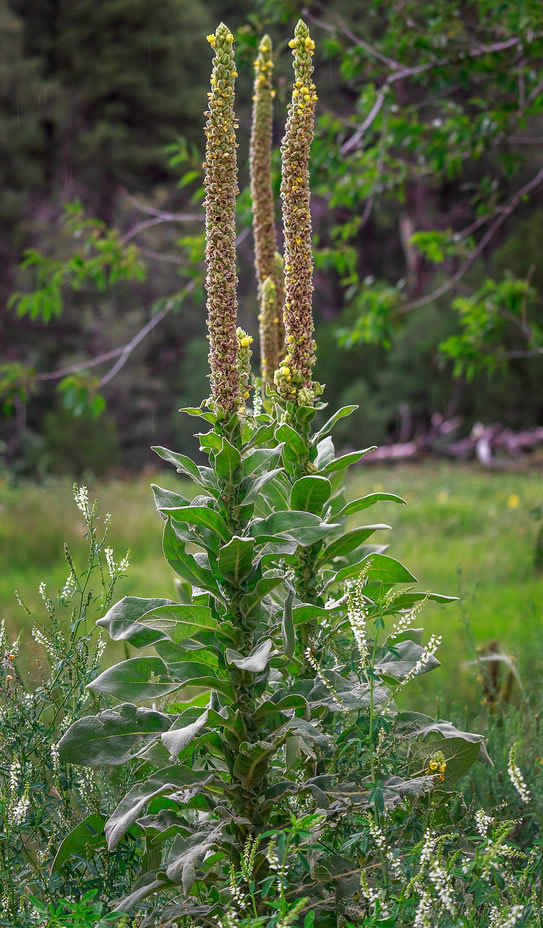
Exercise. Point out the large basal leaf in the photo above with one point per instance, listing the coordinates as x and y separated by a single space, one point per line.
350 541
341 463
122 620
165 781
459 755
185 564
309 494
356 505
401 660
236 559
448 730
255 662
112 737
136 679
81 842
329 424
177 622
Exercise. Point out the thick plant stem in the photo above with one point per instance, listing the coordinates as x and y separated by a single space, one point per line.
293 379
220 204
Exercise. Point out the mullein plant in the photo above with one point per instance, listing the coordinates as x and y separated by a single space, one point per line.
235 720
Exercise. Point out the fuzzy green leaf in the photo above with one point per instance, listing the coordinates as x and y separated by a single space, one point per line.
341 463
349 541
136 679
236 559
227 462
81 842
112 737
122 621
364 502
178 622
310 493
329 425
255 662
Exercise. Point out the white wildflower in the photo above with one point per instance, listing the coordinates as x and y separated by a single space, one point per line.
100 648
515 775
381 843
125 563
43 641
428 847
483 822
111 565
107 520
55 757
442 885
428 653
236 893
20 809
312 661
357 614
424 911
14 775
508 918
81 497
375 897
68 589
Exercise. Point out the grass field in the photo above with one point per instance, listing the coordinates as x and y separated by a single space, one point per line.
464 532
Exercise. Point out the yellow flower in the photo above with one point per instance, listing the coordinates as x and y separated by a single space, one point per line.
211 40
513 501
229 37
245 342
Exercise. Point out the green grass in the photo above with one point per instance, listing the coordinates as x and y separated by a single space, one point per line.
460 534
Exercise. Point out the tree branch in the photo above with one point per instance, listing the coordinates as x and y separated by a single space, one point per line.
489 234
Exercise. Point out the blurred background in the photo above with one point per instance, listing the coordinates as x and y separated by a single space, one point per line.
428 218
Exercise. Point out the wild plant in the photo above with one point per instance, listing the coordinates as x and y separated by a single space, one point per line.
42 800
273 677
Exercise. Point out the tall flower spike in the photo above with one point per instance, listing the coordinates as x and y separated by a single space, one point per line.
269 330
220 204
293 378
267 261
260 163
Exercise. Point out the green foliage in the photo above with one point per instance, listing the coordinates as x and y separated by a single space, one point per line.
101 258
42 799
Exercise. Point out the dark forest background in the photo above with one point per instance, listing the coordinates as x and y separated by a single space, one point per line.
101 108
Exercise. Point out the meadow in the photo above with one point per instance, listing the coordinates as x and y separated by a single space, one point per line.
465 531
